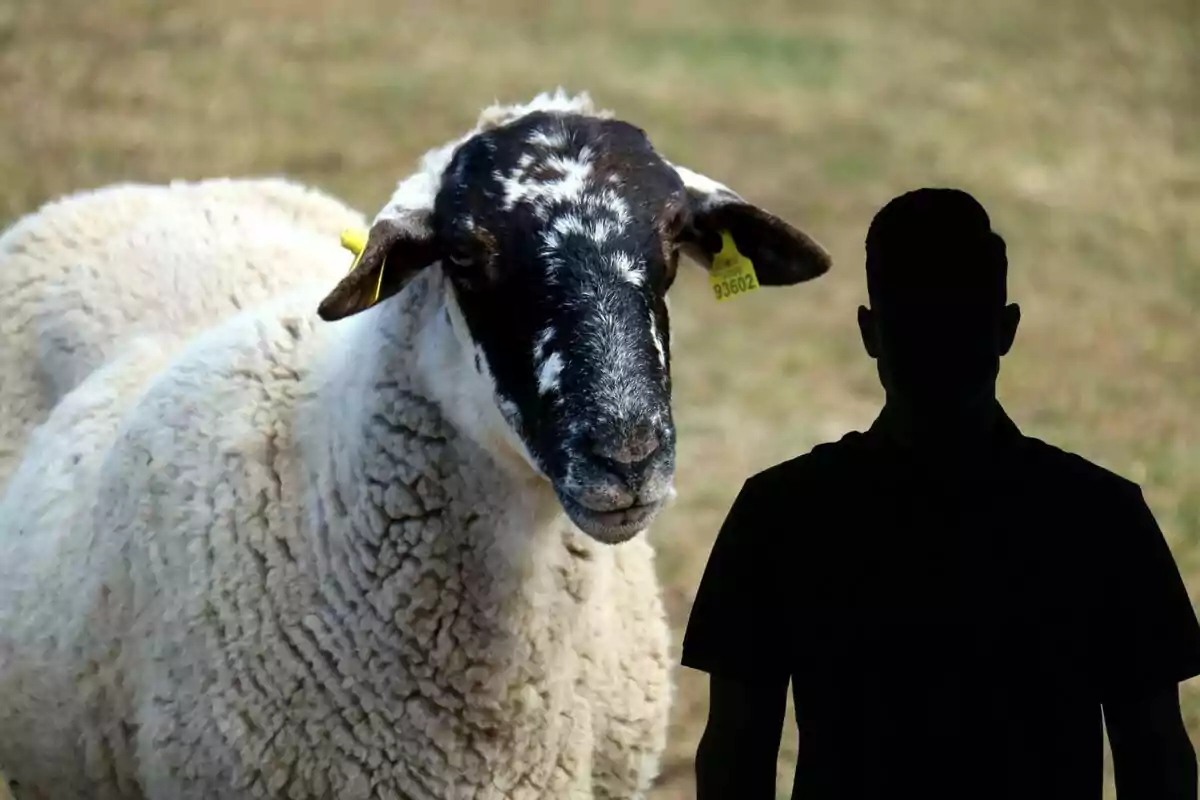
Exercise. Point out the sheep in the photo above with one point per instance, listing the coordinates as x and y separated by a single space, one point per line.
381 535
58 260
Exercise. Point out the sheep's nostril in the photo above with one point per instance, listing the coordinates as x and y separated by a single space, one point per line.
627 450
626 468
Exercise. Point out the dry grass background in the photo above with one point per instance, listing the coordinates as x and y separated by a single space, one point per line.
1074 121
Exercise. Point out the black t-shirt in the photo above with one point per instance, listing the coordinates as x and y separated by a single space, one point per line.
947 633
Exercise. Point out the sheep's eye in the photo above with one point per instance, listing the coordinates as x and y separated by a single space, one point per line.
472 272
677 220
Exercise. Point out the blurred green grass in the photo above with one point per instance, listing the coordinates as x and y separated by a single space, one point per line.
1075 122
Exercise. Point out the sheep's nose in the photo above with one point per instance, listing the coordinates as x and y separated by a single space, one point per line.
626 446
625 462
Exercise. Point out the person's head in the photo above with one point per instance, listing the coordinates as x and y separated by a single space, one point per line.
939 320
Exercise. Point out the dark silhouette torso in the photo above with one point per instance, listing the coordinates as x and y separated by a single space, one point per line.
949 631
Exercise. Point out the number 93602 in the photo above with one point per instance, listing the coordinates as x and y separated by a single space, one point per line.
732 286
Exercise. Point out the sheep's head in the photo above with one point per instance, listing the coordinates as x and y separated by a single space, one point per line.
560 229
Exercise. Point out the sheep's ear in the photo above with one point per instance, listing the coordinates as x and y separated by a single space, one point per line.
397 248
782 254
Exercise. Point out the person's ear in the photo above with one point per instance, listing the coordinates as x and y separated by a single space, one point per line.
868 329
1010 320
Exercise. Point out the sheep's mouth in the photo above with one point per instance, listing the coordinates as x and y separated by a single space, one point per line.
612 527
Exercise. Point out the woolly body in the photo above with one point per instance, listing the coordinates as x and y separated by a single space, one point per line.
82 274
265 562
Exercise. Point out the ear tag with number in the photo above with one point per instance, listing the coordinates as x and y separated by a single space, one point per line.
732 274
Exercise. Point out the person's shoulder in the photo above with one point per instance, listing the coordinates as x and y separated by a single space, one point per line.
823 464
1059 466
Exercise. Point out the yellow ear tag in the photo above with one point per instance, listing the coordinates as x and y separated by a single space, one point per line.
355 240
732 274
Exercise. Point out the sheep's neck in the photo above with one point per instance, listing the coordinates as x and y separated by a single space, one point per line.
462 565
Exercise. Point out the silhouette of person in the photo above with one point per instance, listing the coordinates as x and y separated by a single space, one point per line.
960 609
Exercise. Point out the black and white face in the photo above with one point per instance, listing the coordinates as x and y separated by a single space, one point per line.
561 234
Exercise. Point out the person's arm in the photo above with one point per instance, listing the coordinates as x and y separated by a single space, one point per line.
738 634
1152 754
1151 645
739 749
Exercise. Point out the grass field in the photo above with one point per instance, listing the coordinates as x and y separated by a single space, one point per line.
1076 122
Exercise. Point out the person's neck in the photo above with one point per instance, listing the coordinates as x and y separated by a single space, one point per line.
965 430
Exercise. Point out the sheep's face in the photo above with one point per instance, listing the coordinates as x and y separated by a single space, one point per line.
561 234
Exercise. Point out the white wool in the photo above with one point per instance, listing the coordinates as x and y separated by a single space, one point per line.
252 554
706 191
419 189
85 272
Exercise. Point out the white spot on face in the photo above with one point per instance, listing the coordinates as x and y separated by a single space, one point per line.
616 205
552 140
658 345
539 346
601 230
568 224
607 202
548 374
629 269
549 253
560 163
593 209
574 176
666 301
